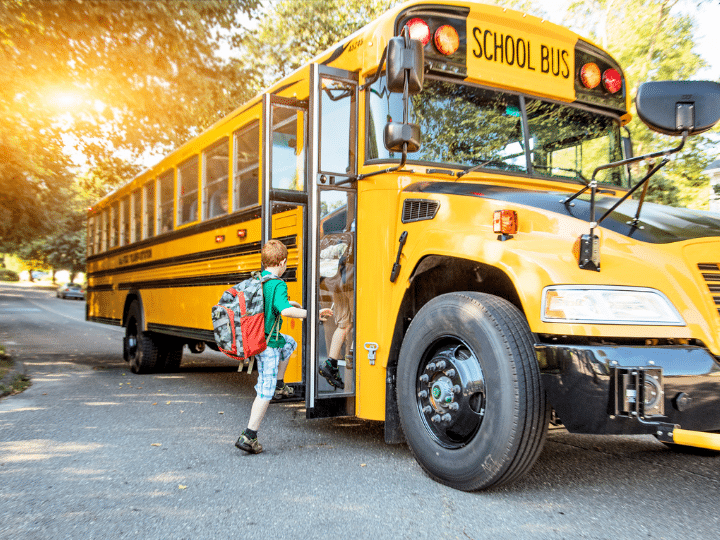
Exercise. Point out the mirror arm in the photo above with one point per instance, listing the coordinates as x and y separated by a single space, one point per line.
644 181
661 153
376 75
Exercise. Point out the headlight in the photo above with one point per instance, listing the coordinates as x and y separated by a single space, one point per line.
608 305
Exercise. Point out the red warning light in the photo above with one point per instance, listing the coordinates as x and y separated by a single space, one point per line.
419 30
612 80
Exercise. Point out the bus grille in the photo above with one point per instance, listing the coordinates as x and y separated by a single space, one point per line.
419 210
711 273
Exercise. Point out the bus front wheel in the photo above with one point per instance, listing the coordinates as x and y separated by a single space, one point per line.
141 349
469 393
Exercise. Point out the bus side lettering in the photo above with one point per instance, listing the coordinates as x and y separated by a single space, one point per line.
135 257
515 51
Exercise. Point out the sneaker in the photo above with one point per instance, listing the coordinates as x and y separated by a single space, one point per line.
251 446
284 392
331 374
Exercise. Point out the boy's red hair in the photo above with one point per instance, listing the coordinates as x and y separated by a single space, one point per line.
273 253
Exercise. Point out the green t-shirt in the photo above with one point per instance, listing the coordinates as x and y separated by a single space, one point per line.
275 294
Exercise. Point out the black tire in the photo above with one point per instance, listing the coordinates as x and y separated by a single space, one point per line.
141 349
479 420
171 353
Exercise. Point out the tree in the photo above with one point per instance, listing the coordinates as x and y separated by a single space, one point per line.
655 44
291 33
105 77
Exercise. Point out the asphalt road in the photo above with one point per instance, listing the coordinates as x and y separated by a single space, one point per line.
92 451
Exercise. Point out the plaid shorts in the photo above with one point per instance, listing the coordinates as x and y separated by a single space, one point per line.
267 364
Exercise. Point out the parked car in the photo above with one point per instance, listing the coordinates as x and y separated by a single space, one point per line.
71 290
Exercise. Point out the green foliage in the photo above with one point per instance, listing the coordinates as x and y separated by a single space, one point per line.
655 44
104 77
292 32
8 275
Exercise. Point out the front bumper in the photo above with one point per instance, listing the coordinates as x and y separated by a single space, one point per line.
587 385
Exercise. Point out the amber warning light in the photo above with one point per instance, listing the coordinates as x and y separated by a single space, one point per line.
446 39
505 222
591 77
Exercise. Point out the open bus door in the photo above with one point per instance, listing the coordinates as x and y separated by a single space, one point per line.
285 201
332 162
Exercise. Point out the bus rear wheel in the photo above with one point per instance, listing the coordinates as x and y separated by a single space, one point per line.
469 391
141 349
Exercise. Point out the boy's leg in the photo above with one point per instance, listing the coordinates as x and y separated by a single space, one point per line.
267 362
285 352
281 389
257 413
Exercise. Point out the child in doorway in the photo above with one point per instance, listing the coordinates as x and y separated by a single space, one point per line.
273 361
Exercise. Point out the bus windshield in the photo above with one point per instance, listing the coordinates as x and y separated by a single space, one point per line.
464 126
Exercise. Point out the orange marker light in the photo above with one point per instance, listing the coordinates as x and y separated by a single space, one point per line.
590 75
419 30
447 40
220 238
505 222
242 233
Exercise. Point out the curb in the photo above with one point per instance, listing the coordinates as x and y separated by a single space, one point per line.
18 369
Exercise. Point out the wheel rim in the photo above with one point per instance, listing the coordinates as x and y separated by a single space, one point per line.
450 390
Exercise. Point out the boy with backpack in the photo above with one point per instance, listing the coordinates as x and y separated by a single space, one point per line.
272 362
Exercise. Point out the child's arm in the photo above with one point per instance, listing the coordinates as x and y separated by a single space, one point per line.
299 313
294 312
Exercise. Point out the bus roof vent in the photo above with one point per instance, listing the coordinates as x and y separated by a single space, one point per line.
419 210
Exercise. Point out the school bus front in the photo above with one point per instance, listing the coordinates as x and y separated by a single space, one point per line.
491 292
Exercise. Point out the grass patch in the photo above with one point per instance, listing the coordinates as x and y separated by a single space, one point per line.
19 383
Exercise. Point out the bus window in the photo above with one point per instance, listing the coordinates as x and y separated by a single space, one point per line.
97 239
247 159
149 209
288 157
105 229
461 125
570 143
337 153
136 210
125 221
91 235
114 225
165 203
215 175
188 191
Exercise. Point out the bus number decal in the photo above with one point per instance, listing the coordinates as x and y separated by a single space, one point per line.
512 51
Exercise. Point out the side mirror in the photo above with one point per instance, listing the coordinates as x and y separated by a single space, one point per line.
396 135
672 107
405 60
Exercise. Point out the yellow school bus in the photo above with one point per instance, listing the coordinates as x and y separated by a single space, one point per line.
452 179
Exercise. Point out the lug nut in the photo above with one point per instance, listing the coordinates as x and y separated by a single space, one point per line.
424 378
441 364
430 367
450 373
422 394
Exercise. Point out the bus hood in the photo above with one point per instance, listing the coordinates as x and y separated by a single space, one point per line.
658 224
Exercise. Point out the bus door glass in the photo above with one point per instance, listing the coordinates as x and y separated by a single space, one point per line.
331 373
284 203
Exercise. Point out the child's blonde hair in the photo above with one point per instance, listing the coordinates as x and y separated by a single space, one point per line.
273 253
